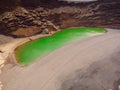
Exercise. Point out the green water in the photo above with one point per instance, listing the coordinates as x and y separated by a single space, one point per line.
29 52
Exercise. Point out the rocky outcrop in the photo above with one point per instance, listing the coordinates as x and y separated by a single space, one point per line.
42 16
22 22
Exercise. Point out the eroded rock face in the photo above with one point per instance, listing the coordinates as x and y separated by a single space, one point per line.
28 18
23 22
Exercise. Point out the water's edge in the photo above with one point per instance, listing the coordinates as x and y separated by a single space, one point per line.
19 47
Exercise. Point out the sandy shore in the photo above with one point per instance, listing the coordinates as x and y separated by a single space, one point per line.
88 64
7 47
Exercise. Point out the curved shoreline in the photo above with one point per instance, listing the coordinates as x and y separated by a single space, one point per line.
47 70
43 46
8 49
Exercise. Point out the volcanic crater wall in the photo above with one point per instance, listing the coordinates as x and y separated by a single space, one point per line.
21 18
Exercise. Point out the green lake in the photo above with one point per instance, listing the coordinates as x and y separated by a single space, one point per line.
31 51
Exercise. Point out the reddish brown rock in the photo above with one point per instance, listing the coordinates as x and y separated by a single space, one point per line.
21 32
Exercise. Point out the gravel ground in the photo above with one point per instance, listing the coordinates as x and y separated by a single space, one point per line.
88 64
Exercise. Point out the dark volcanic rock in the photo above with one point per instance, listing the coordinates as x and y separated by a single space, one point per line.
8 5
25 14
22 22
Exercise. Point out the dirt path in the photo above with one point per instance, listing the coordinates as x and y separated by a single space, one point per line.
89 64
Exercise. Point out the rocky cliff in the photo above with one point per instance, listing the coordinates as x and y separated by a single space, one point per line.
29 17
